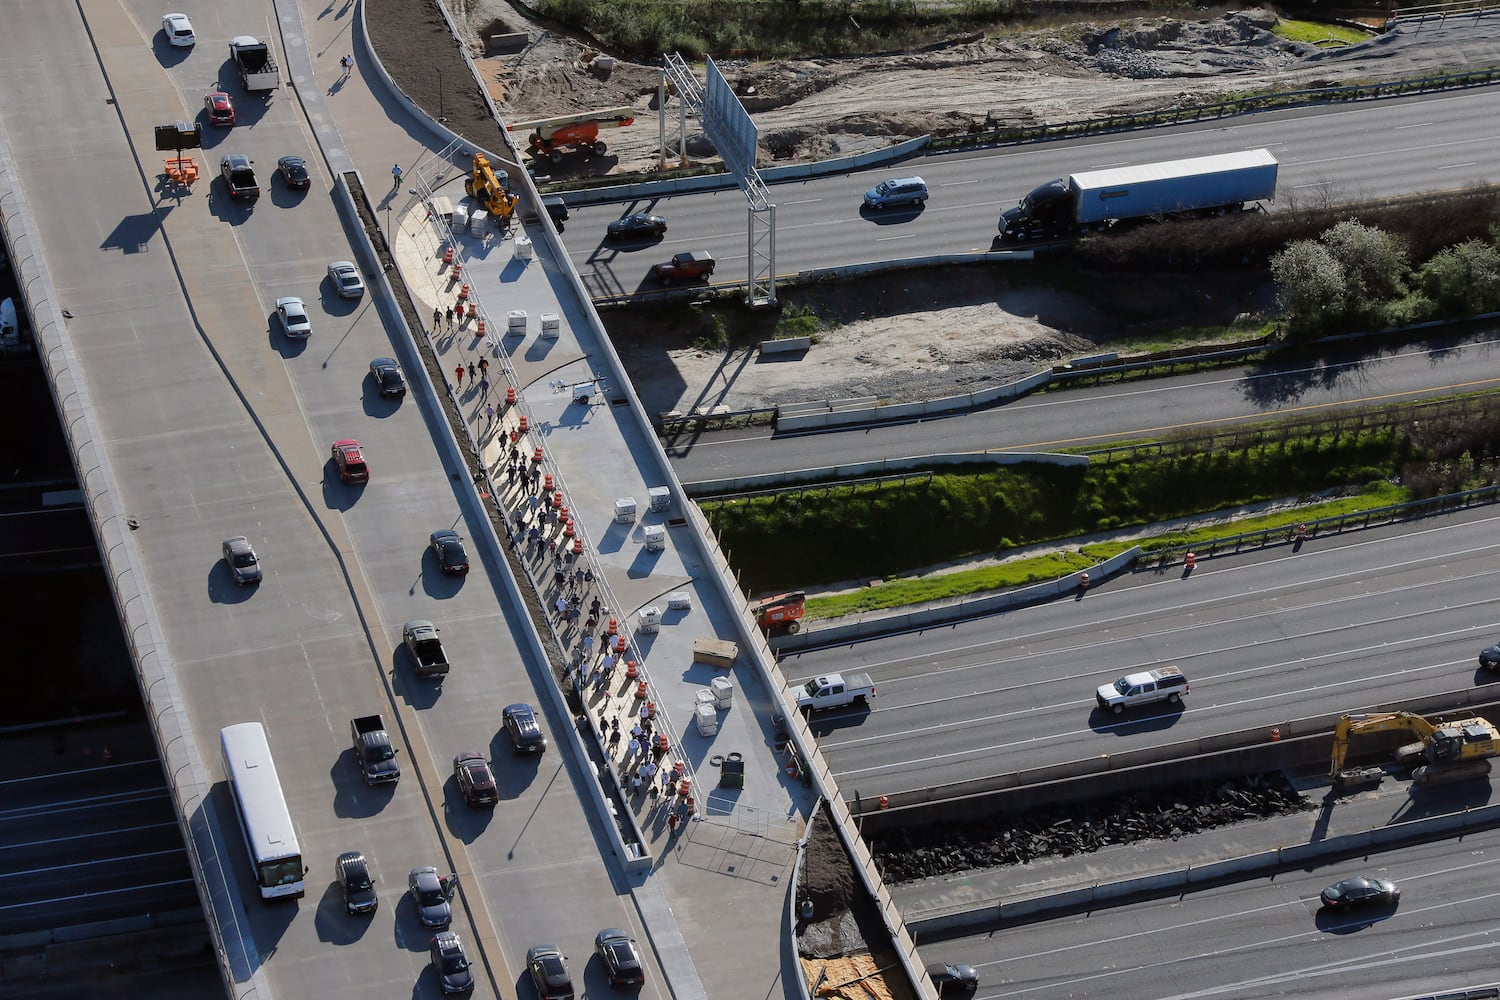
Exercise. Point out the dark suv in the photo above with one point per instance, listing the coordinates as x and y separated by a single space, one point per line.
354 879
475 779
239 177
525 732
451 964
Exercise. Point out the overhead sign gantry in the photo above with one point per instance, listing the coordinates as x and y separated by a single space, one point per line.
728 126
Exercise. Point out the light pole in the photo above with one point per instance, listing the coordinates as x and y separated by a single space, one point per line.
440 94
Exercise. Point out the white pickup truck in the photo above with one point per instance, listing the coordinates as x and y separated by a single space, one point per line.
834 691
1163 684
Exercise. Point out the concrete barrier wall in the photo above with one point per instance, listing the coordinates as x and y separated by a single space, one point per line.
786 345
712 487
807 416
724 181
506 42
875 623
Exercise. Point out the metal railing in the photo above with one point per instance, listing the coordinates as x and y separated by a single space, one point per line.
1293 534
1221 109
1423 12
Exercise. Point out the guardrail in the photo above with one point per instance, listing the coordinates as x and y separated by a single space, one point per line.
1222 109
680 423
801 479
1295 534
837 484
1422 12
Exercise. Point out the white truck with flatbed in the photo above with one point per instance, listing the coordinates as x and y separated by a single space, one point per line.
256 63
834 691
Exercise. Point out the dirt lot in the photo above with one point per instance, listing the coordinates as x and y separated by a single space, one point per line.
923 334
817 108
916 337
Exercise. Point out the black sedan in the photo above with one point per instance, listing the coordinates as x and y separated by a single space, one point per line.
635 225
617 951
953 980
388 376
1362 890
293 171
448 546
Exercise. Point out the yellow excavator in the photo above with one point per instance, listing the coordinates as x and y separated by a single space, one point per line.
1447 751
492 193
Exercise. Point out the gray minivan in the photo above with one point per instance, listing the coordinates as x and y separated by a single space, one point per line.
900 191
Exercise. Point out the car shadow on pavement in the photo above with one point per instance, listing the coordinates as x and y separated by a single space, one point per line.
418 692
220 204
338 495
464 821
352 798
890 216
376 405
823 723
1333 922
1164 717
285 197
210 136
514 772
287 347
221 586
335 304
167 54
436 584
409 932
333 924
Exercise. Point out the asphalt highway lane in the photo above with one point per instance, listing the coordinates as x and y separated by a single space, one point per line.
1198 403
1345 623
1267 937
1340 152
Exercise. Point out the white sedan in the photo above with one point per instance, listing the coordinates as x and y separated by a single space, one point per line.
178 29
293 315
346 279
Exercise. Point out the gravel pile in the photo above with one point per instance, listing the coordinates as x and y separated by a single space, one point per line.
907 855
1237 43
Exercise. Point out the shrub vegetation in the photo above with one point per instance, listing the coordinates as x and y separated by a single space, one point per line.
825 534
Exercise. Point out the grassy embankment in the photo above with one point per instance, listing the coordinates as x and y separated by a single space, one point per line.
820 535
1320 34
